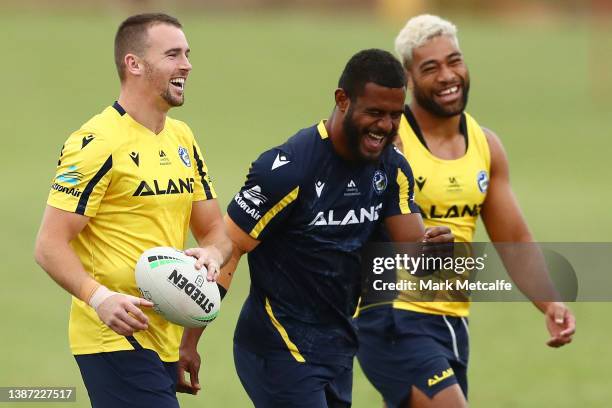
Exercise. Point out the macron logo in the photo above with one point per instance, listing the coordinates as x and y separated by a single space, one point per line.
279 161
319 188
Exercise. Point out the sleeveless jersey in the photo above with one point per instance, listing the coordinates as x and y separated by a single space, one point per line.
448 192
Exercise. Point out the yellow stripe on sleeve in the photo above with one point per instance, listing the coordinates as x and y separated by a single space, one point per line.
288 199
402 182
290 345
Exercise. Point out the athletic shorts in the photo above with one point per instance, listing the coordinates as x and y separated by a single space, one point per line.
132 378
399 349
291 384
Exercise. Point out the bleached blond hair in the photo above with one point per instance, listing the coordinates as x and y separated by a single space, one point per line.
417 31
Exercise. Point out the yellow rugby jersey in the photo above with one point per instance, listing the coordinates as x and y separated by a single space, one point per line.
448 192
137 188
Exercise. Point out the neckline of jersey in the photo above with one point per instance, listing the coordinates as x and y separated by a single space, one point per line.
322 130
416 129
122 112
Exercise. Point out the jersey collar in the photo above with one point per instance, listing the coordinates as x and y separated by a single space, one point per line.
119 108
419 134
322 130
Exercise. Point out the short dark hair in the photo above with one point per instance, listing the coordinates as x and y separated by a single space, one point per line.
372 65
131 36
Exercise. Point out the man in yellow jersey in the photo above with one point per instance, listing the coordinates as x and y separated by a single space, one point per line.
129 179
416 353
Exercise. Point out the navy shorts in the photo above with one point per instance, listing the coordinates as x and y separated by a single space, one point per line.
133 378
399 349
286 383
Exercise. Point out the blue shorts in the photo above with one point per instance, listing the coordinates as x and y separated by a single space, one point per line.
291 384
133 378
399 349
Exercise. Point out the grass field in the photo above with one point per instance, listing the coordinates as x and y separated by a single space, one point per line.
256 80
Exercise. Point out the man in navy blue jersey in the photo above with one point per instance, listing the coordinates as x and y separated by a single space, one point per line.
306 209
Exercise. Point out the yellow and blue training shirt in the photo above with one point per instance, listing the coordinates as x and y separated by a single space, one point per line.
137 188
312 212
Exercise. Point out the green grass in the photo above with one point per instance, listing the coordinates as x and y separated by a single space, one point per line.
256 80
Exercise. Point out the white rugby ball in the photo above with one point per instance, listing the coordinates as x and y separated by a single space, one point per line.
181 294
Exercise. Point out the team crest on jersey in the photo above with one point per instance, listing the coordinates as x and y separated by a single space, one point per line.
184 155
379 181
483 181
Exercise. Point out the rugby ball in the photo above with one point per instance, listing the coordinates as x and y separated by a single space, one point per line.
180 293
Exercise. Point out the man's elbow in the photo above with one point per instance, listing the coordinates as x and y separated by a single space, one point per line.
42 250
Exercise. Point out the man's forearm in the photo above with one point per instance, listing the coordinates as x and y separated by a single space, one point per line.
228 270
64 267
527 267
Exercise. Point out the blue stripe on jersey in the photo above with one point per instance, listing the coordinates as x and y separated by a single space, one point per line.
202 173
82 205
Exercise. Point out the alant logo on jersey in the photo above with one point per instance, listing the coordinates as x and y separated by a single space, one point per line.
420 182
255 196
351 189
72 176
379 181
358 216
253 212
454 211
86 140
191 289
280 161
319 188
184 155
162 188
483 181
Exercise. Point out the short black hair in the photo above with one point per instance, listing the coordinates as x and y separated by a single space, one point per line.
131 36
372 65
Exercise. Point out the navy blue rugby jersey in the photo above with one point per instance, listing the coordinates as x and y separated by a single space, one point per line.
312 212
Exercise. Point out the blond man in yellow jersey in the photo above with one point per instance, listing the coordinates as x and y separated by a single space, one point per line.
416 353
129 179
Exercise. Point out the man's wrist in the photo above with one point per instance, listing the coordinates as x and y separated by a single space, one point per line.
191 337
548 307
87 290
100 295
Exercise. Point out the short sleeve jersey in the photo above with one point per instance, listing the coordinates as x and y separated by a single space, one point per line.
137 188
312 212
